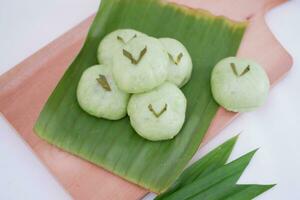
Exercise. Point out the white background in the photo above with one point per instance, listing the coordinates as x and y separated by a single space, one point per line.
26 26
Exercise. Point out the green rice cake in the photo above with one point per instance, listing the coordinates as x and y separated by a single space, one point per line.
180 62
141 65
239 85
158 114
113 42
98 95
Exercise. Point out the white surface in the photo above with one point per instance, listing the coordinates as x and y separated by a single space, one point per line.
26 26
23 176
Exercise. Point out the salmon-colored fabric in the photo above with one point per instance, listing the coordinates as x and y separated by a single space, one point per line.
25 89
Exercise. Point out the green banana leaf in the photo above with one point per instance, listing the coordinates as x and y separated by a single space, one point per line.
114 145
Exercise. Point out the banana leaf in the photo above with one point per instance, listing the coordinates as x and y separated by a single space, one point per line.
114 145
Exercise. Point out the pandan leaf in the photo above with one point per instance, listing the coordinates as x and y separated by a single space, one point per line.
248 192
225 191
210 162
217 183
227 175
114 145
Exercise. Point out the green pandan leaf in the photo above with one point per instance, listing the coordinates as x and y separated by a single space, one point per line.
226 175
248 192
227 191
215 180
210 162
